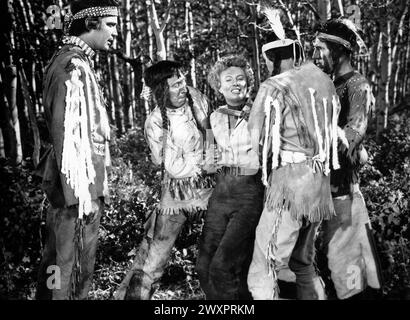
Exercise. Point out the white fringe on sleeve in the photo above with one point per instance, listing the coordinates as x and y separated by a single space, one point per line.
77 163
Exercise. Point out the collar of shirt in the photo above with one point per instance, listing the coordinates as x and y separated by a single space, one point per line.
234 144
90 53
179 111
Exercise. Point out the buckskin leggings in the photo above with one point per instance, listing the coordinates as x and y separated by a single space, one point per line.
227 239
55 271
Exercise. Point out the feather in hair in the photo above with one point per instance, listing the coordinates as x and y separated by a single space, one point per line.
348 23
273 16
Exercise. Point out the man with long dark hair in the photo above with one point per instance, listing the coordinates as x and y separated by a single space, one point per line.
174 132
74 168
348 240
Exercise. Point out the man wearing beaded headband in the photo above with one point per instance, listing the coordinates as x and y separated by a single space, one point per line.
293 118
347 237
74 169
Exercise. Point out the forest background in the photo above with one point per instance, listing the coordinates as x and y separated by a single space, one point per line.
195 33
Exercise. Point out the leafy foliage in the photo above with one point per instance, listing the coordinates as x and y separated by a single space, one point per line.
385 185
134 185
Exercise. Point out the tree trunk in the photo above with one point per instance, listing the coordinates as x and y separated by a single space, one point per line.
406 65
255 46
6 124
324 8
158 28
32 117
189 28
126 70
341 9
395 53
119 115
12 80
2 150
382 99
150 33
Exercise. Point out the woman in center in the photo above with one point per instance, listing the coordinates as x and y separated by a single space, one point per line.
226 244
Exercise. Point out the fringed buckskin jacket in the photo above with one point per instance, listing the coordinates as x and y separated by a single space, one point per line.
357 103
296 112
74 168
184 188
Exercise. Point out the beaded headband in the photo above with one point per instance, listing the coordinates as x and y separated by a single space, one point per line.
89 12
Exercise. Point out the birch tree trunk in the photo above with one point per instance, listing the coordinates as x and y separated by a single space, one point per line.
11 80
189 28
158 28
119 115
150 33
382 99
2 150
406 65
255 46
395 53
12 95
324 8
128 116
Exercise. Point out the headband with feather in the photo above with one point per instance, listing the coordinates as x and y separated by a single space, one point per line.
273 16
328 35
348 23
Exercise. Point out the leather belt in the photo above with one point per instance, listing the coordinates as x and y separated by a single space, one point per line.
238 171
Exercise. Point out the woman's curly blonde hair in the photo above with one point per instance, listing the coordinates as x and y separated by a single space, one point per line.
225 62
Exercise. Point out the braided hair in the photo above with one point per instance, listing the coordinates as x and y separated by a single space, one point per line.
156 78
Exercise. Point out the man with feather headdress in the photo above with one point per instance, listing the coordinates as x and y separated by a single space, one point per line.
74 169
347 238
294 119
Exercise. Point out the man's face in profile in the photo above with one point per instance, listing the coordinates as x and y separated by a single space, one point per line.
103 36
322 56
177 90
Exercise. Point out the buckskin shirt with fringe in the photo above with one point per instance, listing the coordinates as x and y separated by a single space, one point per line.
184 188
74 169
294 118
185 193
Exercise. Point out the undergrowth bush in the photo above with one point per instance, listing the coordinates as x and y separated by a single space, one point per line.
134 187
385 184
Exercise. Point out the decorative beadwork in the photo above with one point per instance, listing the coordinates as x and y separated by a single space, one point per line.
90 12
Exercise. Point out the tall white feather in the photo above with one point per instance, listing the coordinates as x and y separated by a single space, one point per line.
273 16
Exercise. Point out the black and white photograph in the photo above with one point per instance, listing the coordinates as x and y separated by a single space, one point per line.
216 151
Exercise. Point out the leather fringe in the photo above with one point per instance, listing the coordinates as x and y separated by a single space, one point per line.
79 236
286 198
271 255
281 196
183 189
191 211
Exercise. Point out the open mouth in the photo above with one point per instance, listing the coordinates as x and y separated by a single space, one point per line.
236 91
